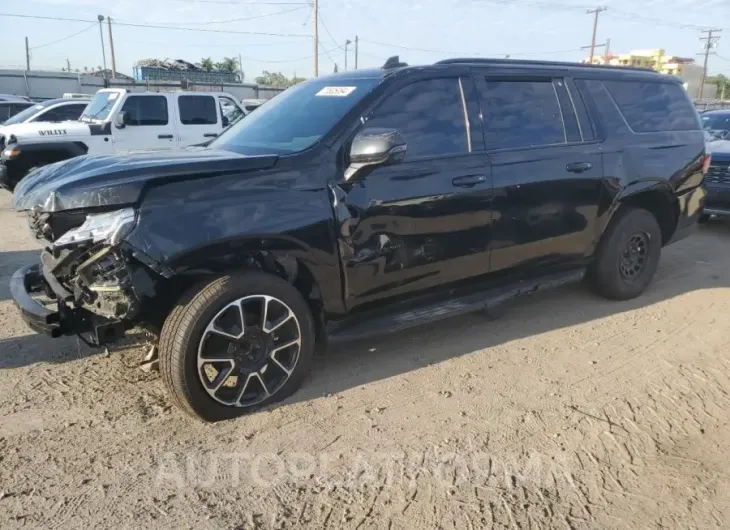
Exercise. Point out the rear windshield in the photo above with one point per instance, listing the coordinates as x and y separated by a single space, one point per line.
653 106
716 122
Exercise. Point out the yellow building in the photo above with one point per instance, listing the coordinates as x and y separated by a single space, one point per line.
657 59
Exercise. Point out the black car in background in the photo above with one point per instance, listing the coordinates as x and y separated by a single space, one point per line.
716 122
8 109
364 202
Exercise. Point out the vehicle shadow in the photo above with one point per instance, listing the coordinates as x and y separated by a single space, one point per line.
695 264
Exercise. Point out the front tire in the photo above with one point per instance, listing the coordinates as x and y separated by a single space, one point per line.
627 256
236 344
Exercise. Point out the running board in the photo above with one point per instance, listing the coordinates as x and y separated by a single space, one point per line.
480 301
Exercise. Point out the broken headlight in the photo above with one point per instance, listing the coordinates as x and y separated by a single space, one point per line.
110 227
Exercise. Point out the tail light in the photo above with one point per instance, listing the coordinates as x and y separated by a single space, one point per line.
706 164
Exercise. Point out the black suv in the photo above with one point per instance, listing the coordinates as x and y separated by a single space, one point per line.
360 203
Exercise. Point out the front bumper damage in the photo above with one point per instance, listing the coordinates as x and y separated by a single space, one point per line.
94 302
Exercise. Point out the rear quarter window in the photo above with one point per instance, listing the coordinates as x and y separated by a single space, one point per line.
653 106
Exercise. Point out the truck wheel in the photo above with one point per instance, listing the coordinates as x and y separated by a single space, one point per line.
236 344
627 256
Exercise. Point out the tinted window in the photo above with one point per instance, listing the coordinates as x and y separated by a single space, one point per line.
11 112
146 110
63 113
716 121
197 110
521 114
652 107
586 124
430 116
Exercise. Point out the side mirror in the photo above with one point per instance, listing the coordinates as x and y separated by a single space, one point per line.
120 120
375 147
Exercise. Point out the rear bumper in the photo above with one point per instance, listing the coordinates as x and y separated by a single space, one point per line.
691 208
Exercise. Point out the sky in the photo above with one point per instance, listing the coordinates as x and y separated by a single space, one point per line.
276 35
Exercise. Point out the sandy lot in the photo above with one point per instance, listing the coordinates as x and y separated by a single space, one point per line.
569 412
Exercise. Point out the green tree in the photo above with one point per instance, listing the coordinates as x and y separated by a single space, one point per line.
228 64
207 64
723 85
277 79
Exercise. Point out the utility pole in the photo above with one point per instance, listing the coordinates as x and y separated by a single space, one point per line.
347 43
316 38
356 50
710 42
240 67
100 18
607 51
27 55
595 11
68 65
111 47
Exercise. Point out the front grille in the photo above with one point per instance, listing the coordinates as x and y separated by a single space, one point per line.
718 173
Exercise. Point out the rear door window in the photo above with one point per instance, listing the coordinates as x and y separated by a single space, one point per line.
653 106
197 110
519 114
146 110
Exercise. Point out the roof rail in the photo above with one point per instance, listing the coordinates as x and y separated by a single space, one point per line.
466 60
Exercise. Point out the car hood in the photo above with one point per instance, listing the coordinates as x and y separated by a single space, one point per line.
104 181
44 131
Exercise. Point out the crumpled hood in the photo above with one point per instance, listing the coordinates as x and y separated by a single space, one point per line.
45 131
116 180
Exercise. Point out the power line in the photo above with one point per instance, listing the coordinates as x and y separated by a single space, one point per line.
327 53
710 42
116 20
64 38
597 11
153 26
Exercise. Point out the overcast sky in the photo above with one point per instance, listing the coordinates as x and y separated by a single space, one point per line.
279 37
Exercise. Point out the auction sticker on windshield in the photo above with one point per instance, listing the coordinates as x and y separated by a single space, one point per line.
336 91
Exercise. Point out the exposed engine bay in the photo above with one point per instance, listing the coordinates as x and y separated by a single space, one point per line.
82 274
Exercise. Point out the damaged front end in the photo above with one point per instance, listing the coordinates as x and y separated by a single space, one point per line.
89 282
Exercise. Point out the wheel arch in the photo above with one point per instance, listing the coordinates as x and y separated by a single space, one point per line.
284 257
657 197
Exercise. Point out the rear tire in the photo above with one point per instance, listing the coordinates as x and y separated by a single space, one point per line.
223 348
627 256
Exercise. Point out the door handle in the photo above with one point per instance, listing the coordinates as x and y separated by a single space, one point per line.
579 167
165 136
210 135
469 181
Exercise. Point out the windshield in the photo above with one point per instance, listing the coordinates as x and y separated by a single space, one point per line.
295 119
26 114
100 107
716 122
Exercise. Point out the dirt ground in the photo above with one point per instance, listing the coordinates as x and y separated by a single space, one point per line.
568 412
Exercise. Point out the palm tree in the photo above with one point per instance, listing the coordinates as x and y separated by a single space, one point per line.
228 64
207 64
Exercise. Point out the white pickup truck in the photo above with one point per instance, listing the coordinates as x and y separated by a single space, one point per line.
117 121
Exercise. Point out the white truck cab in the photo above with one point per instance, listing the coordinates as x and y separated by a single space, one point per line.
118 121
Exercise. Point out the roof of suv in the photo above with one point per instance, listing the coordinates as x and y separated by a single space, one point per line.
375 73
